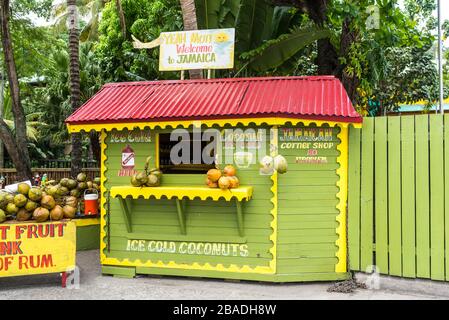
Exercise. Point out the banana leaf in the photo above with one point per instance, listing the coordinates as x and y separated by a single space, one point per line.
282 17
253 21
207 13
274 53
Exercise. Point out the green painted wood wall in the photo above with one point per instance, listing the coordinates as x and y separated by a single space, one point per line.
398 215
307 210
306 218
88 237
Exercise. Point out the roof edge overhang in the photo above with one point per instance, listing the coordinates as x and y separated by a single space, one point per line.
74 127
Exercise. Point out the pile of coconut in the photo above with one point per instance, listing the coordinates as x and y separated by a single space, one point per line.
226 179
53 201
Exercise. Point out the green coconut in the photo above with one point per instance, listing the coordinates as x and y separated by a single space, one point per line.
63 191
3 201
142 178
30 206
35 194
2 216
81 177
71 184
134 181
11 208
157 173
153 180
75 193
64 182
280 164
23 188
82 186
20 200
9 198
52 191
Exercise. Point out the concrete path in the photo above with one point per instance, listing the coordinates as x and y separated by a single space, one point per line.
95 286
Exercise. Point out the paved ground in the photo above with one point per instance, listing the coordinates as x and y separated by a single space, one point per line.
95 286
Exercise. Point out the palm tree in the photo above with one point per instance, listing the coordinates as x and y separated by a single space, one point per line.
74 71
121 16
92 7
190 23
15 143
2 90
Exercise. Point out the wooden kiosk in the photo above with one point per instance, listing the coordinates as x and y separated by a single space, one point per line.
274 227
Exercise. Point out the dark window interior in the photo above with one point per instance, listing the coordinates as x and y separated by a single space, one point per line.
167 166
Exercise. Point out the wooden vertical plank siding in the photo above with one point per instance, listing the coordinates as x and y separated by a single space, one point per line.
408 196
436 198
446 191
354 198
394 195
381 193
366 219
411 185
422 196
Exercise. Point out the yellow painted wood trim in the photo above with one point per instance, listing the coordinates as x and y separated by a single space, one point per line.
342 195
271 121
274 201
156 143
87 222
103 169
193 266
204 193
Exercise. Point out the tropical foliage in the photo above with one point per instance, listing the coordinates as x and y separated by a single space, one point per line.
388 64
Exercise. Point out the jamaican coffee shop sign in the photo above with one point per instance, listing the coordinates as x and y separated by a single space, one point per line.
31 248
198 49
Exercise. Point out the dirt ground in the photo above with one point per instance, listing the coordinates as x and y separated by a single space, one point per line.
93 285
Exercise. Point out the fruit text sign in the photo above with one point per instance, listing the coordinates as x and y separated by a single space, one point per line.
37 248
197 49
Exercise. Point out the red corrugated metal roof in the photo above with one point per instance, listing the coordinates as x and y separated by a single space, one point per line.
320 97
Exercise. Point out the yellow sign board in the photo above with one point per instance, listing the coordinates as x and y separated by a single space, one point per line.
37 248
197 49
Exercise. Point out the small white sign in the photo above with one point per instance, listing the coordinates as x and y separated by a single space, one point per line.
12 188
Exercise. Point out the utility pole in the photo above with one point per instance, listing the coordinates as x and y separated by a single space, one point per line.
440 57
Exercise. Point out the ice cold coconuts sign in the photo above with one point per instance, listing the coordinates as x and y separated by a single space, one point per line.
200 248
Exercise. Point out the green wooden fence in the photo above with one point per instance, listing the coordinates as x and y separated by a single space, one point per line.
398 216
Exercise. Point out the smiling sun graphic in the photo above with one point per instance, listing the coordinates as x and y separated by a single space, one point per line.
221 37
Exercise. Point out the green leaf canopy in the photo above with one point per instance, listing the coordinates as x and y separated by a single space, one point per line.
275 52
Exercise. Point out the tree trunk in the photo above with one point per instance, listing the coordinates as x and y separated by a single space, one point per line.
96 147
75 91
190 23
13 151
327 58
21 163
348 37
2 106
121 16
